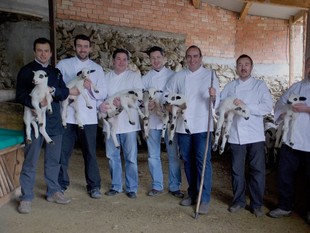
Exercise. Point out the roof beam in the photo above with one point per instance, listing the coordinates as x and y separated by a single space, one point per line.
299 16
245 10
292 3
196 3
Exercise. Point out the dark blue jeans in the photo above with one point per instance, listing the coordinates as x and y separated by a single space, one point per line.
192 150
255 155
290 161
87 138
51 166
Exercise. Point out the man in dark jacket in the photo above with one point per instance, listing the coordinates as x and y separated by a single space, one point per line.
54 128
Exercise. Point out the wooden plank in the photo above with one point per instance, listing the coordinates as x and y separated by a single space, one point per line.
245 10
292 3
196 3
299 16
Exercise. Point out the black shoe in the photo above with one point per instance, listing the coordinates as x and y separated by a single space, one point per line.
111 192
177 193
257 212
235 208
308 217
131 195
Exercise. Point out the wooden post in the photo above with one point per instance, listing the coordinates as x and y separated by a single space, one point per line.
52 30
291 52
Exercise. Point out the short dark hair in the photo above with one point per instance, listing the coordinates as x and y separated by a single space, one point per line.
154 49
244 56
81 37
41 40
116 51
194 47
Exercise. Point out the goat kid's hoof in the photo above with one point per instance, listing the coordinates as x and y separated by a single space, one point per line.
96 91
89 107
28 141
132 122
50 112
170 142
291 143
187 131
51 142
214 147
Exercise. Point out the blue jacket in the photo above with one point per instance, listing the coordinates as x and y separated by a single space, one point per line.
24 86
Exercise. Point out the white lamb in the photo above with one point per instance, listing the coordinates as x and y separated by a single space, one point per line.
226 111
178 103
128 99
40 92
289 121
151 95
78 82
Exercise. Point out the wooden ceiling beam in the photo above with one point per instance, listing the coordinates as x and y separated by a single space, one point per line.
197 3
299 16
292 3
245 10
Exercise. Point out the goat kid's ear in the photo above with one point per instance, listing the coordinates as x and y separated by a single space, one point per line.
79 73
302 98
131 92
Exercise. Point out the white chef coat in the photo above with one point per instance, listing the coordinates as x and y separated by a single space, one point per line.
256 95
195 86
301 134
158 80
69 68
125 81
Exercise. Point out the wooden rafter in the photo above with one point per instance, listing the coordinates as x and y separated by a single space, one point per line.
196 3
245 10
293 3
299 16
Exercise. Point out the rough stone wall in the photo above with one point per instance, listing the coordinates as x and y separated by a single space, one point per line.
107 38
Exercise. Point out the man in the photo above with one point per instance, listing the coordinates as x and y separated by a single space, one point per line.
157 78
293 157
69 68
194 82
119 79
246 137
42 52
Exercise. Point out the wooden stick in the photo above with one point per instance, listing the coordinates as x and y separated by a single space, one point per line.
7 173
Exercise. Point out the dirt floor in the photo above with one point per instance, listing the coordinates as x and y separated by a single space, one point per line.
144 214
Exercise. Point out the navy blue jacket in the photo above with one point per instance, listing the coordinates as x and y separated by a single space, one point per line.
24 87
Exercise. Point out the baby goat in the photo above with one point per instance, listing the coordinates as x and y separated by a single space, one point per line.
40 92
226 111
78 82
128 100
288 121
150 95
178 103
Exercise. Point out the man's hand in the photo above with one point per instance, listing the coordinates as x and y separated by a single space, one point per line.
104 107
238 102
151 105
117 102
74 91
300 107
87 84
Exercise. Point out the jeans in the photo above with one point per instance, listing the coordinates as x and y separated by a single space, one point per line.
192 149
51 166
254 153
128 144
88 142
290 161
154 161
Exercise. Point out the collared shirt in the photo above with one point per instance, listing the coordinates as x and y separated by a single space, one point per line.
127 80
302 124
69 68
157 80
195 86
256 95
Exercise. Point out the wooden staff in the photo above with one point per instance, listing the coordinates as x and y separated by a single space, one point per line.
7 173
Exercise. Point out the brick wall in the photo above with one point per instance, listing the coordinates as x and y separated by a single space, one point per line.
217 32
